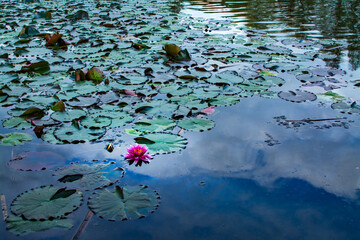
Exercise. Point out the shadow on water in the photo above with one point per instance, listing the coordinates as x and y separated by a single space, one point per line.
319 19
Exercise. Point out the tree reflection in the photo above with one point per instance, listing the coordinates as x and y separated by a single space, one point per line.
333 19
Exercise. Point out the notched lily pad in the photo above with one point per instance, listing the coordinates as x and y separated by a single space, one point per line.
22 227
122 203
35 161
72 134
42 67
297 96
84 176
162 142
46 202
158 124
13 139
346 107
196 124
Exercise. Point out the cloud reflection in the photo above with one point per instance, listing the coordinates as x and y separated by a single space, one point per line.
327 158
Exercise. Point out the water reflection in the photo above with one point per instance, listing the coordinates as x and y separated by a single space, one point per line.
236 147
319 19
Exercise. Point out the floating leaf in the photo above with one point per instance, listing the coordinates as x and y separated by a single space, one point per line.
28 31
158 124
71 134
224 100
13 139
133 132
95 74
172 50
346 107
46 202
41 67
20 226
33 113
96 122
68 116
17 122
196 124
58 107
35 161
84 176
297 96
123 203
162 142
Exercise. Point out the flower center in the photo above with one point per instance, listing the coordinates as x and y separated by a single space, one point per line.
138 151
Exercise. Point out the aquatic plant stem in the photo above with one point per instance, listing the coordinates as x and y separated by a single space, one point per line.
3 207
316 120
180 131
83 225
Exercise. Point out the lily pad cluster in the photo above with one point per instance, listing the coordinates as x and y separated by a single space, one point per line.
72 75
48 207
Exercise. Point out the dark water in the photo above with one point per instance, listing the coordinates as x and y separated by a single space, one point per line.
249 177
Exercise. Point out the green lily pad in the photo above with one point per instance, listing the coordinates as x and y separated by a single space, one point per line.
13 139
224 100
82 102
46 202
196 124
162 142
227 77
158 124
68 116
156 108
123 203
71 134
96 122
22 227
84 176
17 122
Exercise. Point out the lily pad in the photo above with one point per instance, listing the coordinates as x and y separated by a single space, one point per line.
196 124
297 96
13 139
158 124
162 142
124 203
224 100
71 134
35 161
46 202
346 107
17 122
68 116
84 176
20 226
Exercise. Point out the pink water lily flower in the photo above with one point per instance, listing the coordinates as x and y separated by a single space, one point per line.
137 154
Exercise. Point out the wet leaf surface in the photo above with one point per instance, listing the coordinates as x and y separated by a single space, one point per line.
123 203
46 202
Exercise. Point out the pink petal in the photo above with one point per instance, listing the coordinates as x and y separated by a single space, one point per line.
130 92
209 110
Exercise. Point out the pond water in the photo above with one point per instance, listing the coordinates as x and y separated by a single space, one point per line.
281 162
